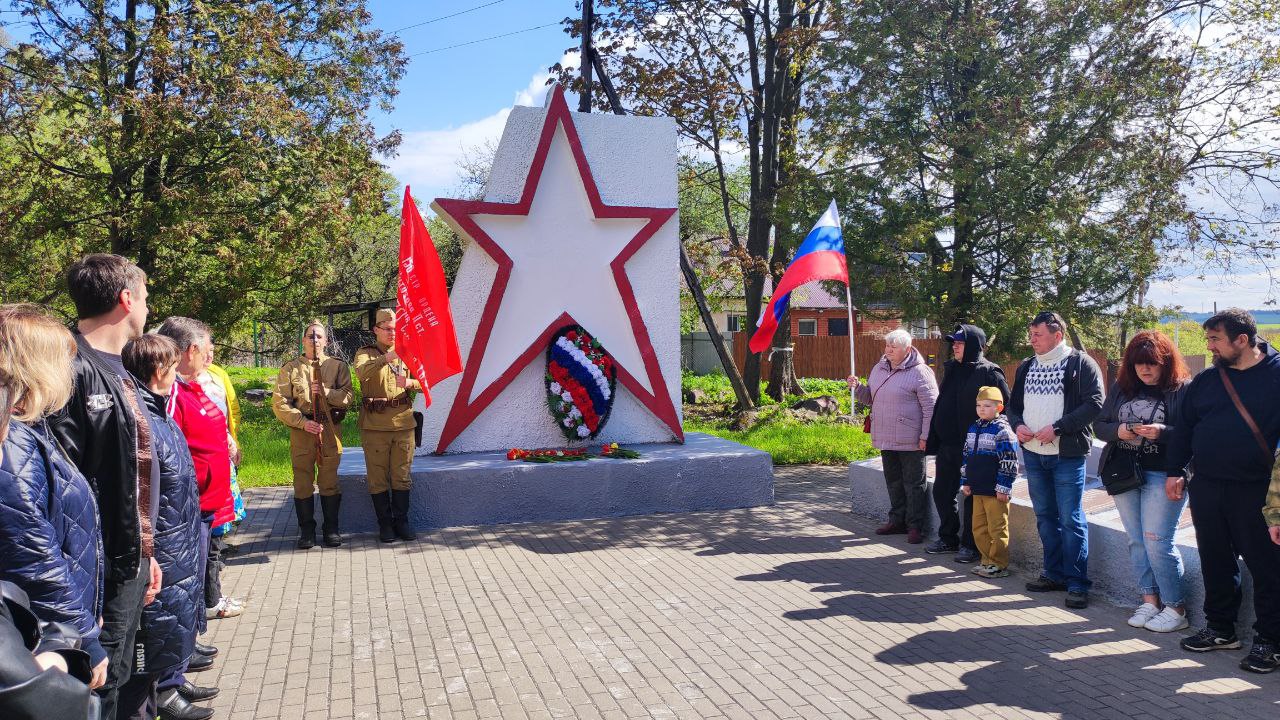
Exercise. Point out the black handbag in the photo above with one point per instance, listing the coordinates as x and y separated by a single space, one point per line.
1123 470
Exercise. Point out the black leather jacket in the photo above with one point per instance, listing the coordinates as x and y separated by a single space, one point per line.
99 431
26 691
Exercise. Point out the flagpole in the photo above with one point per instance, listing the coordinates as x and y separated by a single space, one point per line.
853 370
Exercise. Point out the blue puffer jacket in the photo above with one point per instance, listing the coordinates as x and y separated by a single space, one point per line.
169 624
50 543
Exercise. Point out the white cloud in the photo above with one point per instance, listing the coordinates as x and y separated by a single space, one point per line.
1247 290
427 160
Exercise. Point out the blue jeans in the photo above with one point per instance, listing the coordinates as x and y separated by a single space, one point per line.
1057 493
1150 519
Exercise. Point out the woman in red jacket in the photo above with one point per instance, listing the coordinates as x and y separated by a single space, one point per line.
206 430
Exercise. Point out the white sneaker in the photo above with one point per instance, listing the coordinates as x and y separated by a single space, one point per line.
1167 621
1143 615
223 609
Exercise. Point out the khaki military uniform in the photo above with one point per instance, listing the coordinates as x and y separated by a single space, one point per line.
386 419
292 405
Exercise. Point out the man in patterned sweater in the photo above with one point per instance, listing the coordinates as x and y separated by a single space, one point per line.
990 466
1056 396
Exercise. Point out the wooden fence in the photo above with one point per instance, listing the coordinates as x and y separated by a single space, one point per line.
827 356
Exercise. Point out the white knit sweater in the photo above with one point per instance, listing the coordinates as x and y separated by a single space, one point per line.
1042 396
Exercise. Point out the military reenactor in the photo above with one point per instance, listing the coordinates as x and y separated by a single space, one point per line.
312 395
387 427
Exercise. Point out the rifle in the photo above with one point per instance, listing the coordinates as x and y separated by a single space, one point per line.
320 409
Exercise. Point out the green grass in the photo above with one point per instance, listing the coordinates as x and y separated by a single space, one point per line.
789 441
794 443
264 441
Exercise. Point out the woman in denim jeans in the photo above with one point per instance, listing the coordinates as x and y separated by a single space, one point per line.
1137 420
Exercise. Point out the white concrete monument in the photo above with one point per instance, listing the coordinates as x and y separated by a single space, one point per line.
577 227
568 318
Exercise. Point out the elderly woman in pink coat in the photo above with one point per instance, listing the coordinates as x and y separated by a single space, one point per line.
901 391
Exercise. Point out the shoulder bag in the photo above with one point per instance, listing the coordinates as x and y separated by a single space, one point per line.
1123 470
866 422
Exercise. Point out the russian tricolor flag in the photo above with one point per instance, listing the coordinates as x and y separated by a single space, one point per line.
820 257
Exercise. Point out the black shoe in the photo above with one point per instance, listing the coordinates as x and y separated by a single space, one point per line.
1077 600
382 509
966 555
938 547
1044 584
175 707
329 508
400 508
306 512
207 650
194 693
1263 658
1209 639
199 662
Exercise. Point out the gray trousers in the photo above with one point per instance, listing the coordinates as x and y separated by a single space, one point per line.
905 480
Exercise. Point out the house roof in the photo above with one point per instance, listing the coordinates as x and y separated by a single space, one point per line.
811 296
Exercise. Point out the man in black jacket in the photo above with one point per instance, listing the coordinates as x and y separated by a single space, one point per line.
1231 458
1057 394
955 411
105 432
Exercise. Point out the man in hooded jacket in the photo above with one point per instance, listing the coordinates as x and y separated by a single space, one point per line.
965 373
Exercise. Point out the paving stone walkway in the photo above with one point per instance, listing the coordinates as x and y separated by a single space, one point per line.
794 610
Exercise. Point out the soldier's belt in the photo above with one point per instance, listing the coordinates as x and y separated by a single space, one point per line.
383 404
335 414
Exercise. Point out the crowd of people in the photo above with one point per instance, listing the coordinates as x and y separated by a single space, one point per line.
118 487
1170 440
119 457
117 490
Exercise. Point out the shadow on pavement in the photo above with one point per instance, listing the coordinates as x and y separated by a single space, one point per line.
1030 652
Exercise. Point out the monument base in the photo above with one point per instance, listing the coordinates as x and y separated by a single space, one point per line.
705 473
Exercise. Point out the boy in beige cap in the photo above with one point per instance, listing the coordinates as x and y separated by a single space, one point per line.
987 474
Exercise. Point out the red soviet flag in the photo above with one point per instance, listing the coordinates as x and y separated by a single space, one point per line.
425 337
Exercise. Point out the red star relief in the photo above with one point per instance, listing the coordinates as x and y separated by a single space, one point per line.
536 292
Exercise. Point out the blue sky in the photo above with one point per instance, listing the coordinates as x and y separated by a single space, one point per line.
453 100
449 88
